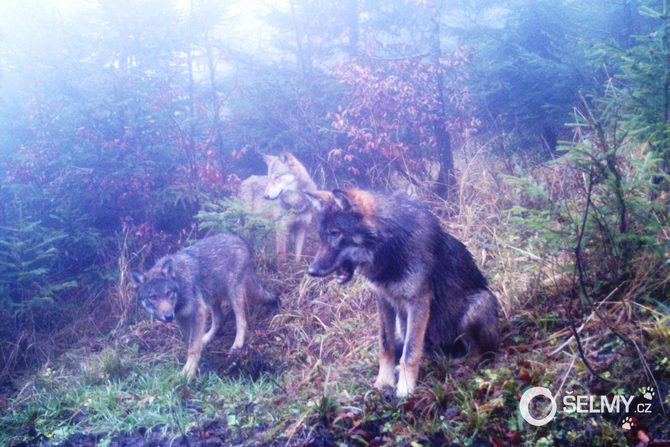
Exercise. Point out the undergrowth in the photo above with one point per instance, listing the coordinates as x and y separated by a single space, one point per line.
305 377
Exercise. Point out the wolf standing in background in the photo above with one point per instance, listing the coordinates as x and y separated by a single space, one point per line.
429 290
196 281
285 202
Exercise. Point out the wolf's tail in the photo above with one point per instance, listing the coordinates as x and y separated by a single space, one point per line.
257 292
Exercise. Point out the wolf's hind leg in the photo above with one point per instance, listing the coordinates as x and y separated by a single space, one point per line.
485 340
281 240
408 369
387 316
481 324
238 302
255 290
217 319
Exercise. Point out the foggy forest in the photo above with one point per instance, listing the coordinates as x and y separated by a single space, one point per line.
334 223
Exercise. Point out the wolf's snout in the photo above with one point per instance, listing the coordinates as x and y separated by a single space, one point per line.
168 317
272 195
313 271
316 270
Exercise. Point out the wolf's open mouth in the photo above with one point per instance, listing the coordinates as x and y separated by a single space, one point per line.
268 197
345 272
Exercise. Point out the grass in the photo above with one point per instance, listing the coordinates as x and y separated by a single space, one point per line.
305 377
140 394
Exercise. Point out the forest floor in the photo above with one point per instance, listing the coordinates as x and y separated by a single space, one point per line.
305 379
305 376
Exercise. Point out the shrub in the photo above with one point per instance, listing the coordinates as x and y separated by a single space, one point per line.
602 214
234 217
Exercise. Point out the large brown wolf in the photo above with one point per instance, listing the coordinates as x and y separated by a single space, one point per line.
429 290
196 281
283 200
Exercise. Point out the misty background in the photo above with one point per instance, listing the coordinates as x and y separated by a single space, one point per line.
128 116
537 130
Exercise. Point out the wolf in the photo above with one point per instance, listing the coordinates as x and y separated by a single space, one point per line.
430 294
285 202
195 282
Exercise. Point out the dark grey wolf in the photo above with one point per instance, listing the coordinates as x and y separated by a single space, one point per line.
196 281
283 201
430 293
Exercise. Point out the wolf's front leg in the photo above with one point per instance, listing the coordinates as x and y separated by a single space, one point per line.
299 232
387 317
238 302
193 329
418 313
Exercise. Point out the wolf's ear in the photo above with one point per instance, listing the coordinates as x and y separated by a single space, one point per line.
168 269
267 158
342 199
288 158
319 199
138 278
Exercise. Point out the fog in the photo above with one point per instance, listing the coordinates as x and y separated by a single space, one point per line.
535 131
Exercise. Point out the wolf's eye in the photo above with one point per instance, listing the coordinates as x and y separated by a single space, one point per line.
334 236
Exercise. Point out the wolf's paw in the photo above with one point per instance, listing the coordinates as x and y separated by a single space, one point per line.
385 378
628 423
235 350
406 379
208 337
648 393
383 382
404 389
189 371
273 300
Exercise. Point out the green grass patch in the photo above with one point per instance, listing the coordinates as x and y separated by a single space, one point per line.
56 405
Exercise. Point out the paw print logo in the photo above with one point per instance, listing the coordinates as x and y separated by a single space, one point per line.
628 423
649 393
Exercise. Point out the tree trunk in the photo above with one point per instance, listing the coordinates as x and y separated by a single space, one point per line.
190 151
303 60
664 148
352 23
216 114
666 87
446 187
